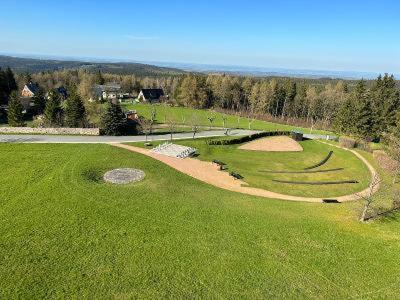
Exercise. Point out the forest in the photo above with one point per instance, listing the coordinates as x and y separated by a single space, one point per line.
366 109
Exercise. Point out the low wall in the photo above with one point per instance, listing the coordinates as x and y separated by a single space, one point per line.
57 131
320 137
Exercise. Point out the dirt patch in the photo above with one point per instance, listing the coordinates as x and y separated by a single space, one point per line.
273 144
209 173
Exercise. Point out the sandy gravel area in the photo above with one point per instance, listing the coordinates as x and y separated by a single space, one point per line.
209 173
273 144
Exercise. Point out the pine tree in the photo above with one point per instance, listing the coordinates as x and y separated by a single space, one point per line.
363 117
99 78
10 81
113 121
391 103
386 103
52 111
15 111
344 119
75 111
289 99
7 85
39 102
3 94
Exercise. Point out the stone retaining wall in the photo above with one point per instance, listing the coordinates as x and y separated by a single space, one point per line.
59 131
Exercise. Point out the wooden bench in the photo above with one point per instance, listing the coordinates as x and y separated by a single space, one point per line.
218 162
330 201
236 175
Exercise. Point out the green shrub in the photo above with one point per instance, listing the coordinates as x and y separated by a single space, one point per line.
248 138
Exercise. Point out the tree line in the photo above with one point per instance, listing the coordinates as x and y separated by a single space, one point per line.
365 109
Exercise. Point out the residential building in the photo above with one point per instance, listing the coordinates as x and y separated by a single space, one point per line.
151 95
30 90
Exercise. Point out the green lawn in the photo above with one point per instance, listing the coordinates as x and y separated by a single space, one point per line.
183 115
252 164
65 234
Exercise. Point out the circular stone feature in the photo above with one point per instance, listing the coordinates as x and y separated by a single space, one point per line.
124 176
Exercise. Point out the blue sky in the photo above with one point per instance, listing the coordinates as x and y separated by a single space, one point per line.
327 35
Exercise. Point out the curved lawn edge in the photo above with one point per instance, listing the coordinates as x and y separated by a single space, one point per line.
209 173
321 163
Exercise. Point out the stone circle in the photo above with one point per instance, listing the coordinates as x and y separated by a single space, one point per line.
124 176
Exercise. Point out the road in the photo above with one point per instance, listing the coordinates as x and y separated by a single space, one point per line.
78 139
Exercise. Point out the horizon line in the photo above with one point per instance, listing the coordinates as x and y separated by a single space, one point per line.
96 59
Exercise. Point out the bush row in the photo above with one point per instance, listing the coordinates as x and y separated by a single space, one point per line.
248 138
350 143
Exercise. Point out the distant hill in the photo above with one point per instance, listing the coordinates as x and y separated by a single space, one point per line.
271 72
33 65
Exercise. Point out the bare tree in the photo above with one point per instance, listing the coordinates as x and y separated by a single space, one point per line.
224 118
171 125
393 150
153 118
250 118
194 122
238 116
369 198
211 119
146 126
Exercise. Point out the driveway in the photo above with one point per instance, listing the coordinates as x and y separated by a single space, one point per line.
78 139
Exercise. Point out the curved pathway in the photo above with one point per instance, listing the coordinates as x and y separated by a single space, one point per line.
209 173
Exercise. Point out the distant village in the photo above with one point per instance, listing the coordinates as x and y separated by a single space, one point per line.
111 91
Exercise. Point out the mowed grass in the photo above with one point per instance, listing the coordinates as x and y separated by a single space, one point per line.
254 167
66 234
183 115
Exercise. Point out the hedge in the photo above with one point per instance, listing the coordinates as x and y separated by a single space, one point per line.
248 138
303 172
317 182
321 163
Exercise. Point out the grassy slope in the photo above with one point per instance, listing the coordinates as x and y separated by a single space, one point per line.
184 115
250 163
64 234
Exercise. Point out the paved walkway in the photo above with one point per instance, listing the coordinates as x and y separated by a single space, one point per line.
16 138
209 173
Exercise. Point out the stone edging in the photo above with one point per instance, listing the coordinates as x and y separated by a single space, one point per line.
56 131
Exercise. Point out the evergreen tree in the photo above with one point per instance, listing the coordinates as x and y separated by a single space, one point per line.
344 119
75 111
15 109
10 81
3 94
52 111
363 117
7 85
391 103
39 102
289 99
99 78
113 121
386 103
